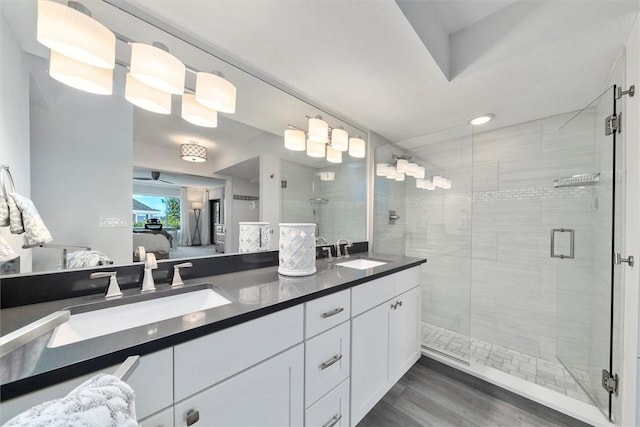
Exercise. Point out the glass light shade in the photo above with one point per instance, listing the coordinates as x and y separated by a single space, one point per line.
294 139
357 148
402 165
147 97
399 176
340 139
333 156
196 205
197 114
381 169
193 153
75 35
428 185
391 172
318 130
438 181
412 169
420 183
446 184
157 68
420 173
315 149
327 176
80 75
215 92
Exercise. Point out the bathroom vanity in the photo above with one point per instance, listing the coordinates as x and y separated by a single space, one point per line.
314 350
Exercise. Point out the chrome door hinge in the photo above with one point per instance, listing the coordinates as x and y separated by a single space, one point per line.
283 184
609 382
619 260
631 91
612 124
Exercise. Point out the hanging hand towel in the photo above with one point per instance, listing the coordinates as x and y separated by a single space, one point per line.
102 400
6 251
16 225
36 233
4 212
81 259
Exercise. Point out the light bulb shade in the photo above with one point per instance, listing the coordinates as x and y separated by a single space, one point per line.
438 181
381 169
340 139
80 75
357 148
157 68
420 173
420 183
399 176
428 185
147 97
215 92
446 184
197 114
333 156
402 165
327 176
76 35
412 169
196 205
193 153
315 149
318 130
391 172
294 139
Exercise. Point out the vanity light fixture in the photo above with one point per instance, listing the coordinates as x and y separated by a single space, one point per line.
391 172
412 169
193 153
215 92
480 120
420 172
294 139
154 66
147 97
72 32
327 176
381 169
357 147
333 155
315 149
80 75
196 113
318 130
399 176
402 165
339 139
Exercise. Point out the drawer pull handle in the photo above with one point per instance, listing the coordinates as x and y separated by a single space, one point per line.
333 421
193 417
332 312
330 362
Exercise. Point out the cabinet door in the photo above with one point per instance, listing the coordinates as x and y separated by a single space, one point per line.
369 360
268 394
404 333
161 419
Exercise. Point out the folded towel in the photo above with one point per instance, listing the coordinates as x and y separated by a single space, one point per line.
4 212
102 400
36 233
6 251
80 259
16 226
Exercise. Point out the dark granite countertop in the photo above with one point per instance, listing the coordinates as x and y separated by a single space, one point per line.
253 293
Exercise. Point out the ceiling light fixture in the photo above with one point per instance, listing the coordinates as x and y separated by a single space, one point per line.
333 155
196 113
339 139
156 67
147 97
215 92
357 147
480 120
318 130
80 75
381 169
193 153
315 149
294 139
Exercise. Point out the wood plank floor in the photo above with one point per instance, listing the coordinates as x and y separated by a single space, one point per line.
433 394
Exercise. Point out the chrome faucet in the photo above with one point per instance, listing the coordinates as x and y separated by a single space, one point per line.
327 250
150 263
347 243
177 279
321 240
113 291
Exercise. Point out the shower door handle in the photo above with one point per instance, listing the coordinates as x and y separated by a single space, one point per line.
571 243
620 260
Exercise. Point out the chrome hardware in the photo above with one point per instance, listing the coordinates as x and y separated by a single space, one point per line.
192 416
330 362
347 244
612 123
620 260
113 291
631 91
393 217
27 333
177 279
577 180
333 421
610 382
571 243
328 256
332 312
125 370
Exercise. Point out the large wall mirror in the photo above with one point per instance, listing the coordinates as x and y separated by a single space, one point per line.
103 173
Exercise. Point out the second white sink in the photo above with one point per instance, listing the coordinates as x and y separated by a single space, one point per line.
361 264
91 324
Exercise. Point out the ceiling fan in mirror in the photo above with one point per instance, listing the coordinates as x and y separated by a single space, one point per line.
155 176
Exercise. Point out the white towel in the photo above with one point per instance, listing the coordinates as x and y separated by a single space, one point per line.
102 400
6 251
16 225
36 233
4 211
81 259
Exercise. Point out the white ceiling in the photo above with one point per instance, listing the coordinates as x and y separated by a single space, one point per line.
366 61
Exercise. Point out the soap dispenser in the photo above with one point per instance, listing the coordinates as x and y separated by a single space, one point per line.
150 263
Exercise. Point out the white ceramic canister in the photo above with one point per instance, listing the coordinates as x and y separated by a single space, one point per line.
297 249
254 236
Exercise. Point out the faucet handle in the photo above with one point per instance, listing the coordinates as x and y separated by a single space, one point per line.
346 250
327 250
177 279
113 291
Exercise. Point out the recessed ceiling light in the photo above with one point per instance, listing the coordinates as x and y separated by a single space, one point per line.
480 120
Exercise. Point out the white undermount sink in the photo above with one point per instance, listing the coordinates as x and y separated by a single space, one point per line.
91 324
361 263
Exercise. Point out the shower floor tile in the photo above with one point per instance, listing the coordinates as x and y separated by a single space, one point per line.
547 373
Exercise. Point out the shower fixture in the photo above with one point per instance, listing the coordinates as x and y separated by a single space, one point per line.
577 180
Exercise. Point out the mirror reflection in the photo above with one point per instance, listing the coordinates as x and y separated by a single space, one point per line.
107 176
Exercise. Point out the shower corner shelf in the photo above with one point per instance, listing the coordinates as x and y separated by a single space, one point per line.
577 180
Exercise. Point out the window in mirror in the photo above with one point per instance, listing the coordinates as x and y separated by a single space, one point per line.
163 210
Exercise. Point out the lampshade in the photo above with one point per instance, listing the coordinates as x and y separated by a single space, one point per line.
420 183
157 68
428 185
146 97
412 169
438 181
327 176
80 75
339 139
294 139
315 149
357 147
381 169
391 172
420 173
193 153
402 165
446 184
75 34
215 92
399 176
196 205
198 114
333 156
318 130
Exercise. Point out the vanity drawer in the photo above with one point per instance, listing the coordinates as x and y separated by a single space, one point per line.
326 312
327 361
371 294
205 361
331 410
406 279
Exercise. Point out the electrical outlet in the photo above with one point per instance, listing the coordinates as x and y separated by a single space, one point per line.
112 222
